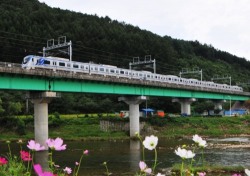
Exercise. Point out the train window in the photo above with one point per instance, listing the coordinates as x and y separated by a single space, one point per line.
101 69
112 71
68 65
61 64
75 66
46 62
122 72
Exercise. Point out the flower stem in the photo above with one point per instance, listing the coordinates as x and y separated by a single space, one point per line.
155 160
79 165
182 164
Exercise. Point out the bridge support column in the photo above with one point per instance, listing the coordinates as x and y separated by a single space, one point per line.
134 120
218 106
40 101
185 104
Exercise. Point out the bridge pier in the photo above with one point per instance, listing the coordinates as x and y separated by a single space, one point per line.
40 101
218 105
185 104
134 114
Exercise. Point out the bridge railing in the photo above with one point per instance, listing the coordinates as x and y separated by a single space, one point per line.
8 64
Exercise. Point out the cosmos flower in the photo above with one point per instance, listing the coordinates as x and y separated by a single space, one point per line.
56 144
150 142
3 161
32 145
247 172
67 170
184 154
201 173
86 152
25 156
144 168
197 139
39 171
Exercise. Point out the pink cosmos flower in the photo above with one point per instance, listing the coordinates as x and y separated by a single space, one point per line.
86 152
3 161
201 173
39 171
32 145
67 170
25 156
144 168
56 144
76 163
236 175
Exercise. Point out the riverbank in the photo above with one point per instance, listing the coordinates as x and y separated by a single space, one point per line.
86 128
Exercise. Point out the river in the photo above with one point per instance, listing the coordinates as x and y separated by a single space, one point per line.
123 156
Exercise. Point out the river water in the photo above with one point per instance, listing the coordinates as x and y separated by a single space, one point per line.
123 156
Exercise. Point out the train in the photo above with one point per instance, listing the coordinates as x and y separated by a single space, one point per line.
56 63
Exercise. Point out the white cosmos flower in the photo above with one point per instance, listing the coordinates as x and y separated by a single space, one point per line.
150 142
196 138
247 172
183 153
202 143
159 174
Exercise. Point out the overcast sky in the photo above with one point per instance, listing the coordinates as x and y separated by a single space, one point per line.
225 24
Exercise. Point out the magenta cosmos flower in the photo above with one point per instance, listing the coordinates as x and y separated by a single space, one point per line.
56 144
39 171
32 145
3 161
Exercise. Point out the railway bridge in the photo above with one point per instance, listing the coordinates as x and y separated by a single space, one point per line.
45 84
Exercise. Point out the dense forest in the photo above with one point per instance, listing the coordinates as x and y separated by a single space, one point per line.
26 25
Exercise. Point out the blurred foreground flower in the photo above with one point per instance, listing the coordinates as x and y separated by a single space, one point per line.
247 172
39 171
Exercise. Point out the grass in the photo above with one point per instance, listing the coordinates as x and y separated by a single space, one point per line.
213 170
221 126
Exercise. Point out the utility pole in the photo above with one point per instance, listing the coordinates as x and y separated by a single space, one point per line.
194 71
61 42
146 61
216 77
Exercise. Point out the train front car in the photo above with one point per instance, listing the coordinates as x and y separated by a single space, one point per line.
27 62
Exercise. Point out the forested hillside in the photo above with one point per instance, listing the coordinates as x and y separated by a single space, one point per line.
26 25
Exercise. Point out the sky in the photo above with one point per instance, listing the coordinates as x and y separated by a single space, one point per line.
224 24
